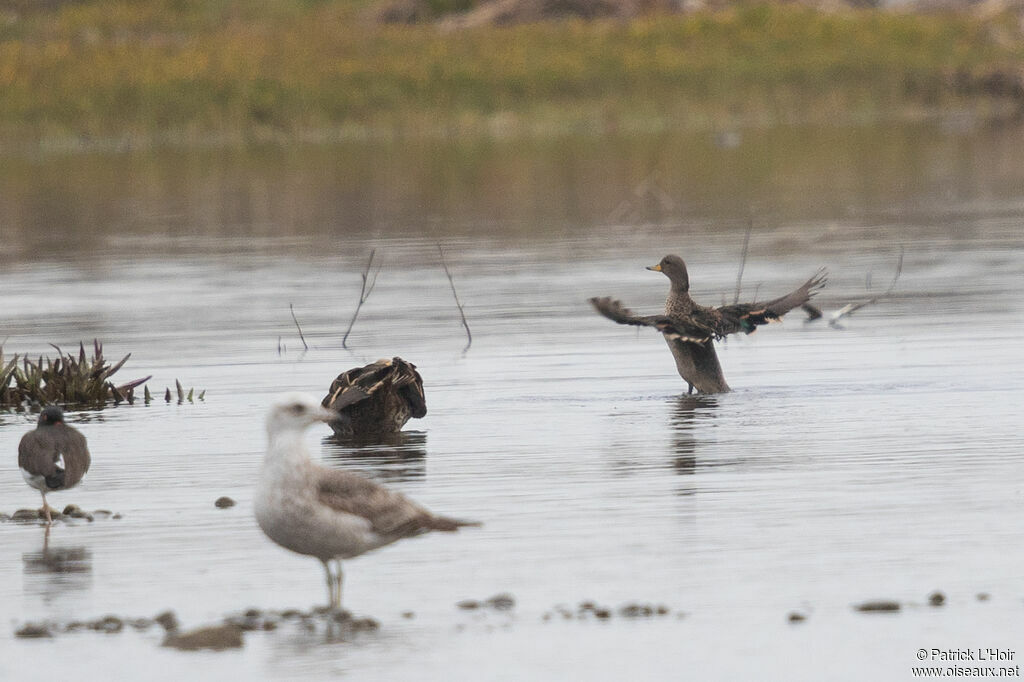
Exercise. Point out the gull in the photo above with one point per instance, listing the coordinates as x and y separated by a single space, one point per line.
53 456
691 329
328 513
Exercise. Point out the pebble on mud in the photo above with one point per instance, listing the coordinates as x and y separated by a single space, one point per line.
636 610
108 624
224 502
468 604
33 630
878 606
216 637
408 615
936 598
141 623
76 512
167 620
252 619
796 617
983 596
501 602
598 611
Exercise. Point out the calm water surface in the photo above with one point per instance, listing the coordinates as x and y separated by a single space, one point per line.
881 460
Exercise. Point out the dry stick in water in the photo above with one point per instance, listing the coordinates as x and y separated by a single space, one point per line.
291 308
458 303
743 259
364 293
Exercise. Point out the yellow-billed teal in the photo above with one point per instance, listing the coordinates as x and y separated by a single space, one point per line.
691 329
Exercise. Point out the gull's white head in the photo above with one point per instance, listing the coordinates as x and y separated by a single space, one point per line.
295 412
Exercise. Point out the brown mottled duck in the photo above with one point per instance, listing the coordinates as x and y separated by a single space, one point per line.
377 399
53 456
691 329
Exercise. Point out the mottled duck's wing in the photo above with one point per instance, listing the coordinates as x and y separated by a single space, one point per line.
745 317
390 513
409 384
350 387
673 328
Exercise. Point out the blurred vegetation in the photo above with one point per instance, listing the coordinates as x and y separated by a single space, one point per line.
69 379
74 380
202 71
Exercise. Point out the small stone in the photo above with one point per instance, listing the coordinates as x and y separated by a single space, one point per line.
936 598
587 606
102 513
636 611
141 623
878 606
341 616
108 624
796 617
224 502
167 620
215 637
75 626
74 511
983 596
23 515
468 604
546 617
4 517
253 613
116 517
408 615
501 602
364 625
291 613
661 610
602 613
33 630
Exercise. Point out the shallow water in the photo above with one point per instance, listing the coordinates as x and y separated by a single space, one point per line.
876 461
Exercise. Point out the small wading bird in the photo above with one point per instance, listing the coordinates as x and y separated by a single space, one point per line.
54 456
691 329
328 513
376 399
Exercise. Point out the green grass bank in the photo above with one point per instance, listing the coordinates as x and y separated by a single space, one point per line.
186 72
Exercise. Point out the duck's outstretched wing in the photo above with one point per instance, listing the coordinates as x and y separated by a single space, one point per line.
675 329
746 317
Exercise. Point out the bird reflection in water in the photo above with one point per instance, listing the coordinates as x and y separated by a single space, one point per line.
57 568
687 413
392 457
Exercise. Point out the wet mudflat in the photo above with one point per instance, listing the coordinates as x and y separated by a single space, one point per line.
876 462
